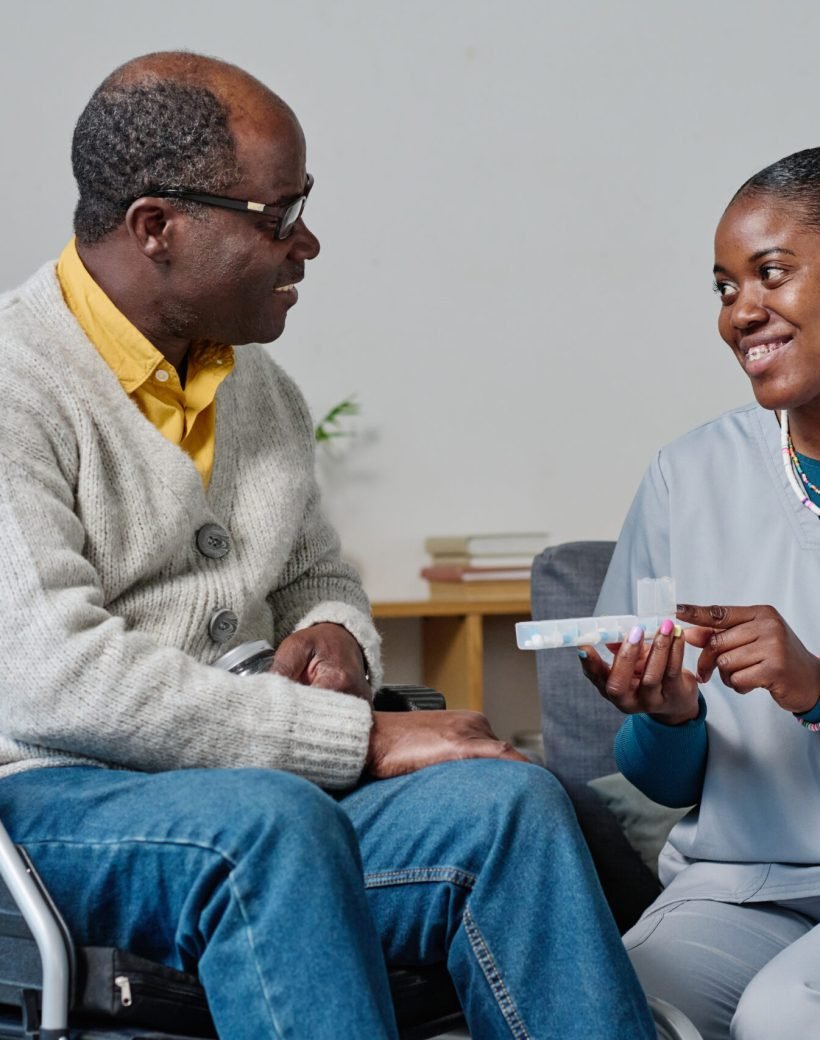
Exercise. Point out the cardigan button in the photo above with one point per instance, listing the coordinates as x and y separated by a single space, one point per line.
213 541
223 625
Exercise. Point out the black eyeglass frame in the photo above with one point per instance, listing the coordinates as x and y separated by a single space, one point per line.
288 212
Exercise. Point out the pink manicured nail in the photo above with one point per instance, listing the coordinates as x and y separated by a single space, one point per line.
636 635
666 627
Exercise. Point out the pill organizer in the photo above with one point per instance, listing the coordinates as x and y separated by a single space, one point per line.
656 602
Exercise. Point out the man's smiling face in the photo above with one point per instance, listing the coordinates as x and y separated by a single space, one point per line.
233 279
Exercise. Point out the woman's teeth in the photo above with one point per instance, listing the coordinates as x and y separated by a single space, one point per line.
755 353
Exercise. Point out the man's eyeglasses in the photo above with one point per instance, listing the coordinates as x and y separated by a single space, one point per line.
287 213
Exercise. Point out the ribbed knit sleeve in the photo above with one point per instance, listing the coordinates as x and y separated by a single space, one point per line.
666 763
108 601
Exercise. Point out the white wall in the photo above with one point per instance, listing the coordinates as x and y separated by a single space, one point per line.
516 205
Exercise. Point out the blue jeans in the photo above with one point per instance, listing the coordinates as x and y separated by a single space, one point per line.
287 901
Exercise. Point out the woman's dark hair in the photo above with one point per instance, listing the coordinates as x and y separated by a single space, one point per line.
795 179
135 138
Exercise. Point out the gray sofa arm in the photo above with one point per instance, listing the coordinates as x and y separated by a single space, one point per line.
579 726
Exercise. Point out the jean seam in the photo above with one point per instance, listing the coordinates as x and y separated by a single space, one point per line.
112 842
489 968
252 944
414 875
187 843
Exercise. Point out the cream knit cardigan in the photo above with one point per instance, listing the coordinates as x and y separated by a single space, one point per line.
105 652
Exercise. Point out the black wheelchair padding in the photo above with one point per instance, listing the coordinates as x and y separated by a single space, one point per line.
114 985
408 698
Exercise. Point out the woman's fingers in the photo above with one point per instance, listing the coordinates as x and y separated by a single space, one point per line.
665 688
706 620
643 677
656 664
744 679
751 647
626 671
594 668
698 636
722 642
717 616
674 667
618 681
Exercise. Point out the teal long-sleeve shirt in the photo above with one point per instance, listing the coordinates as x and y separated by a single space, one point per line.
667 763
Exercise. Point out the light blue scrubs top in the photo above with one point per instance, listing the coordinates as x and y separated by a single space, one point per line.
715 511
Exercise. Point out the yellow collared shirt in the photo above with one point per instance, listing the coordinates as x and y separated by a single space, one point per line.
185 415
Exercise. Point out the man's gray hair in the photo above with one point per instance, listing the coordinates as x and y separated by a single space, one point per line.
132 139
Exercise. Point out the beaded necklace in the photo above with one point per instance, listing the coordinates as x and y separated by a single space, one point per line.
801 473
791 465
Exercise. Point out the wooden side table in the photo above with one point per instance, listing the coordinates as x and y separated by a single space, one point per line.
453 641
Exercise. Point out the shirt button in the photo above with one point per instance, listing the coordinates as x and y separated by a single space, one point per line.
223 625
161 375
213 541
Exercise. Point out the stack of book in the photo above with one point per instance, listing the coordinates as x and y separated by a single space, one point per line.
482 566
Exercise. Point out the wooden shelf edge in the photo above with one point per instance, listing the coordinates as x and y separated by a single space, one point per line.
448 608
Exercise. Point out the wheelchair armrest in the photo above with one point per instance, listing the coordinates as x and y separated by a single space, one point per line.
406 697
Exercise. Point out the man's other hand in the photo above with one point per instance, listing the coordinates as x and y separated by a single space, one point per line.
324 655
402 742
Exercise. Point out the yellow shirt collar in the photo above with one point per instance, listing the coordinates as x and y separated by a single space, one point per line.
185 416
131 357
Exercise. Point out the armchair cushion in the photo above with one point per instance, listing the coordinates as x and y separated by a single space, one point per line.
646 825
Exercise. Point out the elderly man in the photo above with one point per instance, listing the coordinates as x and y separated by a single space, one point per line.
159 508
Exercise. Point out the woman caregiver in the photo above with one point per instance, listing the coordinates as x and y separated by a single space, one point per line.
732 512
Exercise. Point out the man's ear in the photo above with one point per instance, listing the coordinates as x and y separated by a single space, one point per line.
149 222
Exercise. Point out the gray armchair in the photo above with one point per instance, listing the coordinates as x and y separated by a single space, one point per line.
579 725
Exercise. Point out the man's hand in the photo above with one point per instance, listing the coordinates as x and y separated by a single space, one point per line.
753 648
324 655
404 741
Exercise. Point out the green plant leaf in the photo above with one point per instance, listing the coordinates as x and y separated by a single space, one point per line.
328 426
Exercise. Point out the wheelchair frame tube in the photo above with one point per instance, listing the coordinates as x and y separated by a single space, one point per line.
47 936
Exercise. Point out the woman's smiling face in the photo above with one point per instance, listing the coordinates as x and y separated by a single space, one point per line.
767 273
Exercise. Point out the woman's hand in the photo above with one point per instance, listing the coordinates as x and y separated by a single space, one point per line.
647 678
753 648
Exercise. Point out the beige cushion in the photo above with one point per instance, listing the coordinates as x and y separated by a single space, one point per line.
645 824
